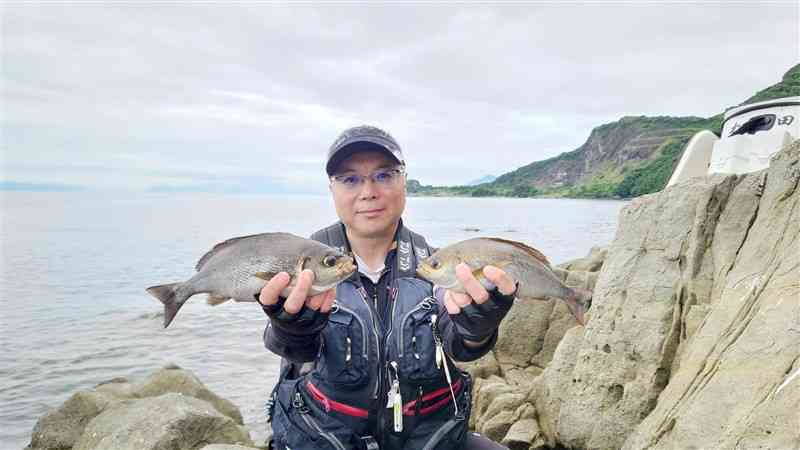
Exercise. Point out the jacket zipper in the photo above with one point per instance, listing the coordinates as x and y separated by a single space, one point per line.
303 411
424 304
364 346
379 379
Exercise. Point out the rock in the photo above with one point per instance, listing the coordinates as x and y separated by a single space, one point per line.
523 331
560 320
174 379
549 390
168 422
484 393
629 344
521 377
593 262
483 367
119 388
501 413
62 427
78 421
695 324
724 393
524 435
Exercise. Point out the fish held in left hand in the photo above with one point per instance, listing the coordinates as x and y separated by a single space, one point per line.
239 267
526 265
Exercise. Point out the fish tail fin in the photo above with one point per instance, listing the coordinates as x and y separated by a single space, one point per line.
172 296
578 301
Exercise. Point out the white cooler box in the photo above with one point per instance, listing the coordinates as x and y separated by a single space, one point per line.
751 135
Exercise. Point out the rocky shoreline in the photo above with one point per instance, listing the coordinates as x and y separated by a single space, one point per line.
693 341
170 409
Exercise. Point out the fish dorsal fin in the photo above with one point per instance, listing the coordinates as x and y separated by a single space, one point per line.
231 241
525 248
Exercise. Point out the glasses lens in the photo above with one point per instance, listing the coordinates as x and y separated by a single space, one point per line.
348 181
383 177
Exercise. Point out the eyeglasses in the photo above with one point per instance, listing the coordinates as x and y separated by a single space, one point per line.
381 177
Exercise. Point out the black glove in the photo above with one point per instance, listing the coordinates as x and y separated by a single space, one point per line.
478 322
304 323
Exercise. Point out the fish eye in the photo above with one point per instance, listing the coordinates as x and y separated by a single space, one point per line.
435 264
329 261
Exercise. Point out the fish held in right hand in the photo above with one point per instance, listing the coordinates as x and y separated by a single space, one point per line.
240 267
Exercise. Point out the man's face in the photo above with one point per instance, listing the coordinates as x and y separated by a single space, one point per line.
372 209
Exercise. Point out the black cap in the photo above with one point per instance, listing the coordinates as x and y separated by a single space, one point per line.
359 139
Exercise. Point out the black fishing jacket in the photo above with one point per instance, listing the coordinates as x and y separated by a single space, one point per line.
380 341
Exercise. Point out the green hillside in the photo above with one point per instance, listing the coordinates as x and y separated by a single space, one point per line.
626 158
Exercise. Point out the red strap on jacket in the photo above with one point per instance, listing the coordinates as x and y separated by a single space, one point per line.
329 404
408 408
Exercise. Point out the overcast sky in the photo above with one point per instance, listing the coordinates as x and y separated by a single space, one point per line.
220 96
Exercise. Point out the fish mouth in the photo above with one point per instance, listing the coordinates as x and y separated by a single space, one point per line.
424 274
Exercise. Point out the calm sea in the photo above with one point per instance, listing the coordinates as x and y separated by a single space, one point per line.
75 266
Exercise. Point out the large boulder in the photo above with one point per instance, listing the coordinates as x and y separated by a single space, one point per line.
726 391
63 427
694 333
168 422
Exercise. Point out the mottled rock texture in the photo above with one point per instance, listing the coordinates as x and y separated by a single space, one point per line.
694 331
170 409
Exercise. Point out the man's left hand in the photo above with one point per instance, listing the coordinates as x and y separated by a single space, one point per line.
476 293
477 314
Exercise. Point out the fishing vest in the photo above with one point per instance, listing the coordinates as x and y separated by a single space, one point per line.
381 383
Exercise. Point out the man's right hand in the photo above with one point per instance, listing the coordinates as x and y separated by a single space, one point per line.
298 314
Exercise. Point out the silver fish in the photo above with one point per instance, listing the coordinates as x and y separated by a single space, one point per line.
526 265
239 267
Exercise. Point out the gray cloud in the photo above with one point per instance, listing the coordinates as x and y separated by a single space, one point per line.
170 95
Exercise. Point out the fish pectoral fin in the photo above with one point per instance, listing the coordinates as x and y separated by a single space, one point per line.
215 300
266 276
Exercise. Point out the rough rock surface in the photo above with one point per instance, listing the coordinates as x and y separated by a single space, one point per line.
170 421
62 427
194 412
694 332
174 379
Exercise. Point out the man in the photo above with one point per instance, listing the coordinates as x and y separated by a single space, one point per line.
382 344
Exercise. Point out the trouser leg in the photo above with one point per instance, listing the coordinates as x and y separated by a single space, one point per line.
476 441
